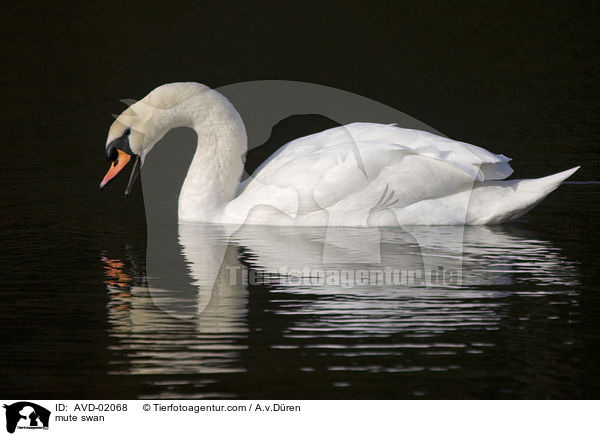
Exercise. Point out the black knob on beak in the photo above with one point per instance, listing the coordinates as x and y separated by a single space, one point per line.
112 151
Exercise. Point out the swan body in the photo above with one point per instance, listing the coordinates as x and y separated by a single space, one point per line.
359 175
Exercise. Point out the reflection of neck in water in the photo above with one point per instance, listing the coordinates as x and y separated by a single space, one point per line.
209 296
415 257
208 281
195 318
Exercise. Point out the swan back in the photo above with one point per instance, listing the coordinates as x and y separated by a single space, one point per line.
368 174
347 170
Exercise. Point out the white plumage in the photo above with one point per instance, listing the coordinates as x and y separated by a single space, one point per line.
361 174
374 174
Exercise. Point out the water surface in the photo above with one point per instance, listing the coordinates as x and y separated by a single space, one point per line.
518 324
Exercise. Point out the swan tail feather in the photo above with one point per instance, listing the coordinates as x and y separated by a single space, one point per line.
545 185
501 201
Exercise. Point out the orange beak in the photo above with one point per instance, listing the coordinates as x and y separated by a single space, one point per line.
116 167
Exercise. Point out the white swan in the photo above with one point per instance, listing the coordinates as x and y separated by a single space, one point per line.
361 174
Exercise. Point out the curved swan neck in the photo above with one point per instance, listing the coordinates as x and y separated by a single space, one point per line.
216 169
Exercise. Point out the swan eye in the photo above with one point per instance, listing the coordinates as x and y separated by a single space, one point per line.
127 131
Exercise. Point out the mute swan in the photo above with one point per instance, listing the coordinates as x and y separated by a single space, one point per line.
361 174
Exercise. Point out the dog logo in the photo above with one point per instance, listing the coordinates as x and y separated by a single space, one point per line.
26 415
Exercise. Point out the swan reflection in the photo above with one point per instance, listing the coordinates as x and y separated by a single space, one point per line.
207 297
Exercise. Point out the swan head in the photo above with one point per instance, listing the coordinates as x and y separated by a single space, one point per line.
134 132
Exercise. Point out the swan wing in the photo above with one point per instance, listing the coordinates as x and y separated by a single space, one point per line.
364 165
475 161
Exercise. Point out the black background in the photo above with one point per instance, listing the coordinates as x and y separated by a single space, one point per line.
518 78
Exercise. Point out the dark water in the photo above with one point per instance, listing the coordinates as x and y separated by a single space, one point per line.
78 319
522 325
